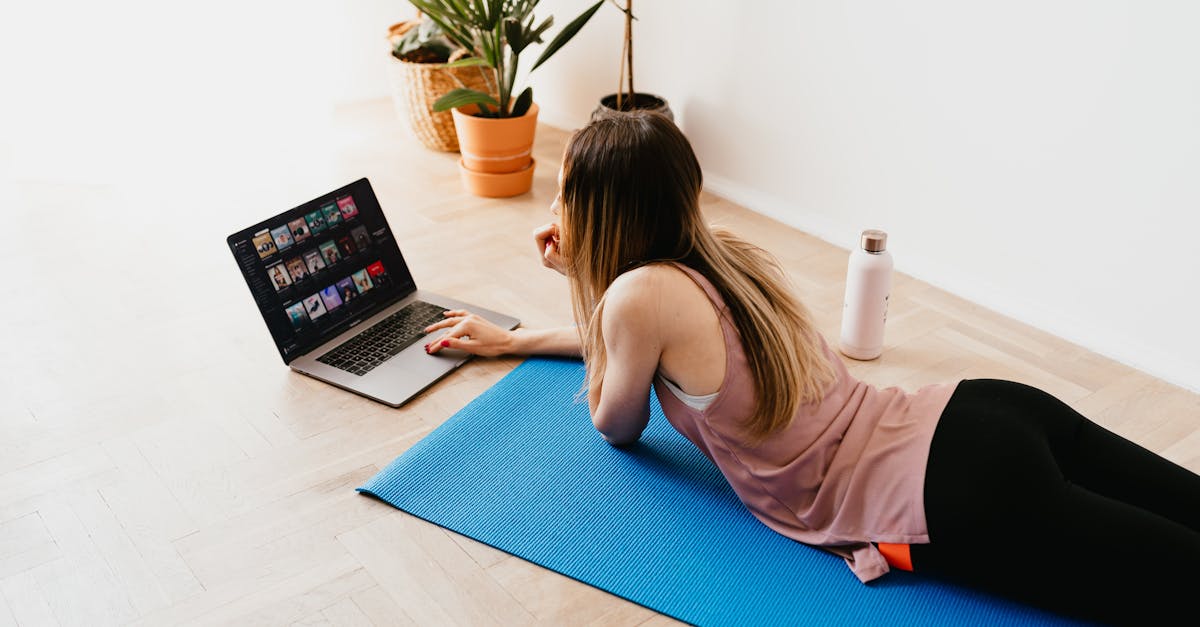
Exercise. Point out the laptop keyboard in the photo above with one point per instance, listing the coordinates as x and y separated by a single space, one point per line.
383 340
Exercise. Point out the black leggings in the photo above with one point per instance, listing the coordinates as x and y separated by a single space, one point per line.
1026 498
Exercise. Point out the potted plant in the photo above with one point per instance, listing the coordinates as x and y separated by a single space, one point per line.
626 99
496 125
420 52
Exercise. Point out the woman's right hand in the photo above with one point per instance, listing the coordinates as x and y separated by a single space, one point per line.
546 239
471 333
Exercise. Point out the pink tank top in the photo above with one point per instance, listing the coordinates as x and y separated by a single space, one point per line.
847 472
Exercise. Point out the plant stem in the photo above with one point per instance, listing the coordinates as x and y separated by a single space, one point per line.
624 57
512 75
629 48
501 77
487 80
621 79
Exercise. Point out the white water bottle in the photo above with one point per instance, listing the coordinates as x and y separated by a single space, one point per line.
868 288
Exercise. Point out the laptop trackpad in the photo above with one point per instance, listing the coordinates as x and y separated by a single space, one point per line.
415 361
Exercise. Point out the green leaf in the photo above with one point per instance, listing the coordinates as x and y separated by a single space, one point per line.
524 101
422 6
451 26
488 52
566 34
536 34
468 62
462 97
494 10
428 29
515 35
523 10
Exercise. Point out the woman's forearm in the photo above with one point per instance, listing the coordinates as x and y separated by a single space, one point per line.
562 341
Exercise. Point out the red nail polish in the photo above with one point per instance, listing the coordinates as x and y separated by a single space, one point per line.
445 343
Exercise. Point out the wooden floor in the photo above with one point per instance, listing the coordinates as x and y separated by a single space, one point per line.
160 465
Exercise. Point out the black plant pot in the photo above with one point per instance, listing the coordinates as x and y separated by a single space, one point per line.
639 102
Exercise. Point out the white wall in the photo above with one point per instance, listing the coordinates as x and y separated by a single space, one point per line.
1041 158
133 88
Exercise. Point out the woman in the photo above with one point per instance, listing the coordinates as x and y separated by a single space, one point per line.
982 482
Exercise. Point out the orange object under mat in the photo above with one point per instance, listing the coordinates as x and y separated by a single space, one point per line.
897 555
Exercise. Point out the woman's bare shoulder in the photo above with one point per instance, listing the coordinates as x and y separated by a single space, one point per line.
662 292
655 279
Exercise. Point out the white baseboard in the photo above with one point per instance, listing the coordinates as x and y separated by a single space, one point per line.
1112 343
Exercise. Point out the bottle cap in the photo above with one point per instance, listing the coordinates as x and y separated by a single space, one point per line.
874 241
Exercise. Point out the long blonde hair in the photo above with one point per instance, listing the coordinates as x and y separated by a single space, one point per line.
631 196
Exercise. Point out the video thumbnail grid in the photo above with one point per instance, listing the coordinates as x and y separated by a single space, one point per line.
306 251
310 309
327 217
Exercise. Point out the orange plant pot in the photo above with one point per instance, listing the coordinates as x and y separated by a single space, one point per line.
495 145
497 185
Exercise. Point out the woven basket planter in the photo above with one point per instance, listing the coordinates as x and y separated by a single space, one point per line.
416 86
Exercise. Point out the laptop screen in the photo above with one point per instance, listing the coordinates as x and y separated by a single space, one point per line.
322 267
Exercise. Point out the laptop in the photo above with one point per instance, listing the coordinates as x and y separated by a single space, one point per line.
339 301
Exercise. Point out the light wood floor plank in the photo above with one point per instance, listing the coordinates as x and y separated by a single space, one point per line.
430 576
293 601
25 600
24 544
557 601
381 609
218 604
346 613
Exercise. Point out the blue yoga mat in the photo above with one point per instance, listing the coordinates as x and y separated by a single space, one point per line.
522 469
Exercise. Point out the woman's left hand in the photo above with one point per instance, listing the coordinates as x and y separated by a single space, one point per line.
545 237
471 333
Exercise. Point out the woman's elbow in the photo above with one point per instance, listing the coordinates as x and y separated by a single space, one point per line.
621 442
620 434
